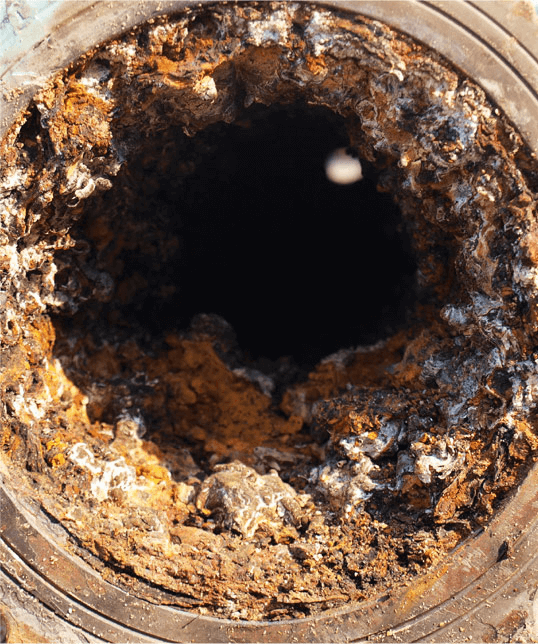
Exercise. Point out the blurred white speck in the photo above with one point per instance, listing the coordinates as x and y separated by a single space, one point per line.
342 168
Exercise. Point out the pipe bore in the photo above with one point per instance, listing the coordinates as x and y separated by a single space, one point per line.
245 232
239 388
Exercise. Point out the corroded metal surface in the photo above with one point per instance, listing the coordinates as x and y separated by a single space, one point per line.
498 37
437 419
477 591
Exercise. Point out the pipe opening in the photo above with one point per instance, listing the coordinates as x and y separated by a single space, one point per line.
241 221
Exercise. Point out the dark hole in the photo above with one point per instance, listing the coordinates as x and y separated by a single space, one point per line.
253 231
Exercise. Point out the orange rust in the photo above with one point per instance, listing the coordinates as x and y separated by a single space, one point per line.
21 632
420 588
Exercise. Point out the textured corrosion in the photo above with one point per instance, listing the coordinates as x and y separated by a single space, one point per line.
167 455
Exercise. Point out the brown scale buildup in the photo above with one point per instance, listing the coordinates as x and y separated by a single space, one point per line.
236 486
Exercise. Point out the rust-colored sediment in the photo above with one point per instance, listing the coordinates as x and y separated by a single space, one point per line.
169 457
